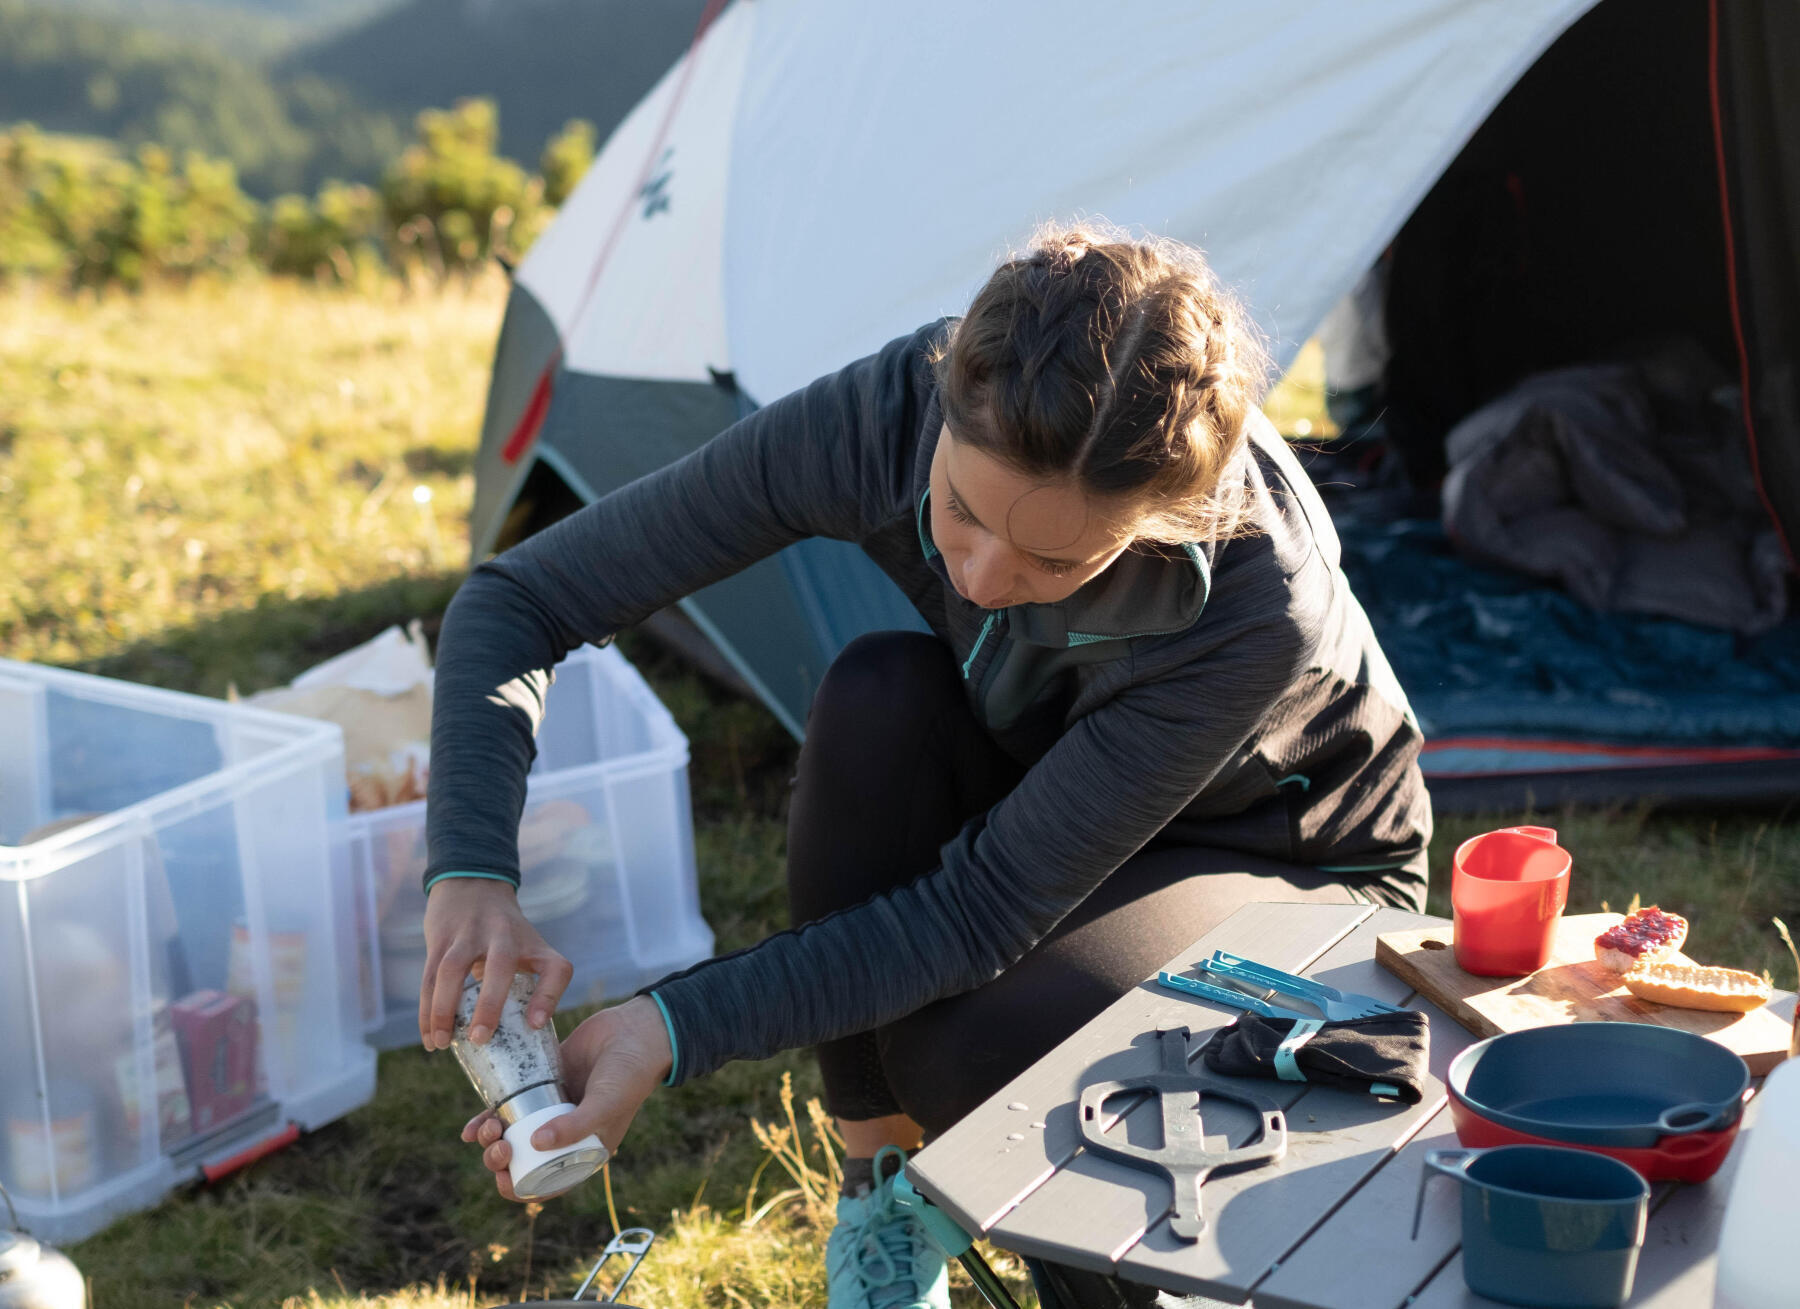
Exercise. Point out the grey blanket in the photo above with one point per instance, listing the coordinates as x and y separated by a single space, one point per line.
1630 484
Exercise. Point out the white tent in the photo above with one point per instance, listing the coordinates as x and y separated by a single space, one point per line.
813 179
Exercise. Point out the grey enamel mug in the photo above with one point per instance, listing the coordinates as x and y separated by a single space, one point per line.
1545 1226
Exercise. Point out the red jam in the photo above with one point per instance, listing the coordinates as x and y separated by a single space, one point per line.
1647 929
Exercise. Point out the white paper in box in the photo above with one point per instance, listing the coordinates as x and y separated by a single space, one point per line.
182 969
606 848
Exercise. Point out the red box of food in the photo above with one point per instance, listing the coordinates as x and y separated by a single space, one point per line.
218 1049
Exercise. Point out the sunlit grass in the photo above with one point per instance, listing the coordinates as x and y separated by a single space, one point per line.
1296 404
217 486
170 458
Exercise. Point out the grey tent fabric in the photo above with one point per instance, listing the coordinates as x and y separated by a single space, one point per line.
1627 483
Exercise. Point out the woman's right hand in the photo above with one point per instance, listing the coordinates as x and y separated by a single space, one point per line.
617 1057
477 919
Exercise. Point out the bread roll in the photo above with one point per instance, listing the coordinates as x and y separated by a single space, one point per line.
1648 936
1690 986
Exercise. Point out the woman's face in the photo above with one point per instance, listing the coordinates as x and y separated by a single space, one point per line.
1008 538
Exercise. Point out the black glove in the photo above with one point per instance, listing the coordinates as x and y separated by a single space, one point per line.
1381 1055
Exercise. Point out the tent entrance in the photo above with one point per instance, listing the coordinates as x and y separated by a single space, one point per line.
1583 222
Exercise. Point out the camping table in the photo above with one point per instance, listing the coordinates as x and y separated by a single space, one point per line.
1328 1225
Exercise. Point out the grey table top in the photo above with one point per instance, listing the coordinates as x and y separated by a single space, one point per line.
1327 1226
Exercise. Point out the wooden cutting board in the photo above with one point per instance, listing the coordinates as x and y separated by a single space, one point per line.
1572 988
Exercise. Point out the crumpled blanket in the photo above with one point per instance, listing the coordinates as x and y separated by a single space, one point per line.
1630 484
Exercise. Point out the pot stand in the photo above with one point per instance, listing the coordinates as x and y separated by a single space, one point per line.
634 1241
1183 1158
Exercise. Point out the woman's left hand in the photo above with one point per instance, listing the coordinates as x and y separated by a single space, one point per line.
616 1058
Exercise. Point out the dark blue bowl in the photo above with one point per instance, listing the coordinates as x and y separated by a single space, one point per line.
1609 1084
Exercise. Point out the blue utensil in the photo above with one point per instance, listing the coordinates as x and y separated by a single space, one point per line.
1331 1002
1226 996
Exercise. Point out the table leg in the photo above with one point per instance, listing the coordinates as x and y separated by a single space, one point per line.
990 1286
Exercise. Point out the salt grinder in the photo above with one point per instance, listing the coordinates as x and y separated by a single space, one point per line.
34 1276
519 1075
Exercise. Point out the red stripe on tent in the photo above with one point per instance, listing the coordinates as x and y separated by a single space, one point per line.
1731 276
712 11
532 421
533 418
1650 754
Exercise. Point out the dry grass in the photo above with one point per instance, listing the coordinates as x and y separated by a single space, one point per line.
170 458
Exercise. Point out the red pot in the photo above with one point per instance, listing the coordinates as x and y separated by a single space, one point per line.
1691 1157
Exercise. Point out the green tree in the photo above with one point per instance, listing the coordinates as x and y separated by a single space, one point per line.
453 202
180 221
125 221
337 235
27 248
566 159
80 213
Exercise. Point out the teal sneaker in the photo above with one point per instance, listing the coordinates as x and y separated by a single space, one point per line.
878 1256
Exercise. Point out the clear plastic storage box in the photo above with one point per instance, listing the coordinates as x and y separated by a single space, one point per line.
606 848
183 976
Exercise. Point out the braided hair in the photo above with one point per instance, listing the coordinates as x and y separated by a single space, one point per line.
1116 361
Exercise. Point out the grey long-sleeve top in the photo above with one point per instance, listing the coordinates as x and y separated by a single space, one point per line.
1227 693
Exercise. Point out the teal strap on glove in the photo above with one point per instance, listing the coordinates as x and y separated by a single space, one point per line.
674 1047
492 877
1287 1068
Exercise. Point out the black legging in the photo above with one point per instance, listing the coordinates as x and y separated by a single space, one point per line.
894 764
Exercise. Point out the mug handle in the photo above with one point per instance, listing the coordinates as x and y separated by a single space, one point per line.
1450 1163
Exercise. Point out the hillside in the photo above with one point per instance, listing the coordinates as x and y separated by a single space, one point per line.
543 61
91 75
278 89
254 29
302 13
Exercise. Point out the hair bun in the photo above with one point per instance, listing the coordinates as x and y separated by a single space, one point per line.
1117 360
1062 256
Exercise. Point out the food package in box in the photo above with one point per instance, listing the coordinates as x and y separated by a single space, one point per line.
174 1114
380 695
69 1160
218 1043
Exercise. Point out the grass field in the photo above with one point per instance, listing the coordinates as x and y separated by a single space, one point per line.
221 486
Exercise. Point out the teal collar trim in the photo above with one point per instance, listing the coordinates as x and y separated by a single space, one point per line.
925 546
1143 593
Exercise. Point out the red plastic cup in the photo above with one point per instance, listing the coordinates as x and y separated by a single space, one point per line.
1507 889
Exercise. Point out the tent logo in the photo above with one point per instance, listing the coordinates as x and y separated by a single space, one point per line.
655 191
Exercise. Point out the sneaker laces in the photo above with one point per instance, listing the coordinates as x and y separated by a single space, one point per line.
882 1243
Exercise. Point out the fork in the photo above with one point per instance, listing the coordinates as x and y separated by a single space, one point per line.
1225 995
1328 1000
